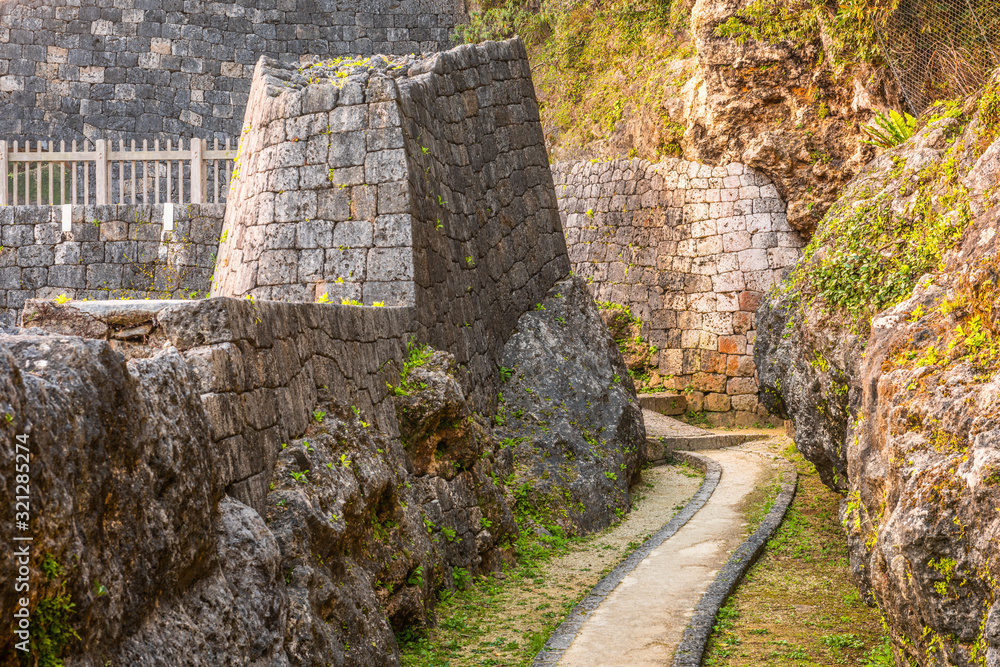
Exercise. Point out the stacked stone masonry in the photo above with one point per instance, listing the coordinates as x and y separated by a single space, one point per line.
691 249
139 68
260 366
400 181
109 252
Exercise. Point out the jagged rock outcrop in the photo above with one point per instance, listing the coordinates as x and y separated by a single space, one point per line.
570 413
783 109
899 408
132 537
141 553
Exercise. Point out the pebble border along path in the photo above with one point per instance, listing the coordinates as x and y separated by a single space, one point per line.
564 635
693 642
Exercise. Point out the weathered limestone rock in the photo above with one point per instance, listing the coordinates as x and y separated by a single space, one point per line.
777 108
569 412
902 414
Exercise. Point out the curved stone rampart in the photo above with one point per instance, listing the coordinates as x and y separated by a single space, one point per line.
691 249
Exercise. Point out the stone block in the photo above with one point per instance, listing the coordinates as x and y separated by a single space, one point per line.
385 166
728 282
755 259
277 267
740 366
353 234
390 264
717 402
742 385
393 231
393 197
742 322
736 241
348 149
735 344
334 204
671 362
750 301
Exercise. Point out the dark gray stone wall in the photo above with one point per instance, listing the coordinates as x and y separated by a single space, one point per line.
142 68
488 244
260 366
110 252
400 181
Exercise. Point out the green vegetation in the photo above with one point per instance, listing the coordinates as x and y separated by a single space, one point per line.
640 356
416 356
595 65
506 619
50 620
798 605
864 257
890 130
850 25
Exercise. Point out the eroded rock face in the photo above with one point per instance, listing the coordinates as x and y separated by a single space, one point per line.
163 568
904 414
778 108
126 510
569 412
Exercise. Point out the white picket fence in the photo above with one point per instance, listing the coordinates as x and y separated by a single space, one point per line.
98 174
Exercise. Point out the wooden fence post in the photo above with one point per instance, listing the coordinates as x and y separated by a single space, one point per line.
101 166
4 168
197 171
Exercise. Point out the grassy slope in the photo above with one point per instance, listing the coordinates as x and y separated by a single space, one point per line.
798 605
602 71
505 620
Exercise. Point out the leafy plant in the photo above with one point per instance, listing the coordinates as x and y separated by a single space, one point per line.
318 415
300 477
889 130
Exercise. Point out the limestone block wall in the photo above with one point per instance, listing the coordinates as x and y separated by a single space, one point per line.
487 240
400 181
691 249
260 366
319 204
135 68
109 252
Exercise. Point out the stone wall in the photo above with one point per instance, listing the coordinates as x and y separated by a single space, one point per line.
400 181
110 252
319 204
691 249
152 67
261 366
487 240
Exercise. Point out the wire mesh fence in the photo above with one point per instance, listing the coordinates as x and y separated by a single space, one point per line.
940 49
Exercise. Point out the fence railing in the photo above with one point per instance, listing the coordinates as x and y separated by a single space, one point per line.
98 174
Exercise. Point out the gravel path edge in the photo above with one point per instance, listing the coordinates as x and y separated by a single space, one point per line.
563 635
691 650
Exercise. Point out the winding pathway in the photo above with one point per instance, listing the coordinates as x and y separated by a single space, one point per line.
641 620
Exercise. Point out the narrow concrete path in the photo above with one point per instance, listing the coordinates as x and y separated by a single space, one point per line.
641 622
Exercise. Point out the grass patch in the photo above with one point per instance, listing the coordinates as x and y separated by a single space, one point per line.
798 605
597 65
506 619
